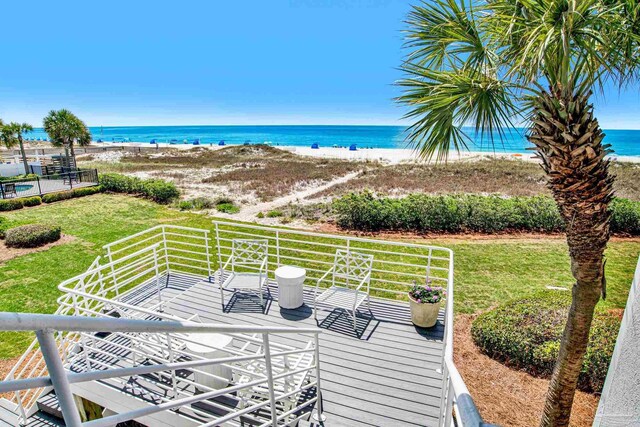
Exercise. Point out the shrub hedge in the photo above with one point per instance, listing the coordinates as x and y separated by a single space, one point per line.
19 203
10 204
466 212
71 194
526 334
158 190
31 201
31 236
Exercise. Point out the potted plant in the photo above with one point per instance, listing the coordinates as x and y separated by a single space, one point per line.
425 304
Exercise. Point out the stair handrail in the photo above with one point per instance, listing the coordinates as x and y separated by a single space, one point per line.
44 325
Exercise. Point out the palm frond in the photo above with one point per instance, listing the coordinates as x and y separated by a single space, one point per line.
442 102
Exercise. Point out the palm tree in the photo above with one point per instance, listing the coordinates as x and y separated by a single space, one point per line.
11 135
490 64
66 130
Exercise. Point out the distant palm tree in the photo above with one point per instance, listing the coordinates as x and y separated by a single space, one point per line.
487 63
65 129
11 135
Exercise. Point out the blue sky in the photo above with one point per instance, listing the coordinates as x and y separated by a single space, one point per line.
215 62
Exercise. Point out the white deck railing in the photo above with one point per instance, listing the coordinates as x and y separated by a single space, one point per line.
114 288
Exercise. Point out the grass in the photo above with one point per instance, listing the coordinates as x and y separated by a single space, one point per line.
509 177
486 271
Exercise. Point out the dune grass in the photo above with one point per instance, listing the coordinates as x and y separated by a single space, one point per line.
487 271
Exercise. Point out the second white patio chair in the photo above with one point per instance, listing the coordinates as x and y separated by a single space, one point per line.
246 268
350 281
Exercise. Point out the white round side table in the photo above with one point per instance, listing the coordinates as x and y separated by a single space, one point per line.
211 346
290 280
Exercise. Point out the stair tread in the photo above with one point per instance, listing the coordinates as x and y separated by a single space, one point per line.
42 419
49 404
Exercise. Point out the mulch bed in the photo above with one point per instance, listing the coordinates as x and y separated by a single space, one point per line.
9 253
505 396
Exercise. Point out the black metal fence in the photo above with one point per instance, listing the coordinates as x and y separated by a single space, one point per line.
39 185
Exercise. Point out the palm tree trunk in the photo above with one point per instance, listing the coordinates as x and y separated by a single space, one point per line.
24 155
568 140
73 155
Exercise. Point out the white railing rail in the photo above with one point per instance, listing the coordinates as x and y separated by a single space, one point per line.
61 379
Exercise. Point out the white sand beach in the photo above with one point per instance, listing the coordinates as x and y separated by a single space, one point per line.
386 155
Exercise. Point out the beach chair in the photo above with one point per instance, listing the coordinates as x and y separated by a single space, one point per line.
9 190
350 282
248 268
284 385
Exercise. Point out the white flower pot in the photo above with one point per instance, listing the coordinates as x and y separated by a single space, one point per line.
424 315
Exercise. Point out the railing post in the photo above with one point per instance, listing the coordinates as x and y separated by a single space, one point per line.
166 251
113 270
23 414
206 245
278 247
272 393
59 379
219 254
39 187
319 415
157 272
173 371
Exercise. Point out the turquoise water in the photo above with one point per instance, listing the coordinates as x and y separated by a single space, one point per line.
624 142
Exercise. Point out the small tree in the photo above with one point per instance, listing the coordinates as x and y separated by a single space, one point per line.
483 63
66 130
11 135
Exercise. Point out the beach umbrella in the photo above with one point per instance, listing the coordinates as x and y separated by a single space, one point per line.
315 146
196 142
153 141
352 147
221 142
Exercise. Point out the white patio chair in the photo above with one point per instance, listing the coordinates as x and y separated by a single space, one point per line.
351 271
248 271
291 385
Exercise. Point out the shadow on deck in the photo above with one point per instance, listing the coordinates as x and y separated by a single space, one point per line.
383 375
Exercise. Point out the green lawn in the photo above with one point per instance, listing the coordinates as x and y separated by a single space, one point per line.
486 271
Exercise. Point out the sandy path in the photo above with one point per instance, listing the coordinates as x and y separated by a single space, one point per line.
249 213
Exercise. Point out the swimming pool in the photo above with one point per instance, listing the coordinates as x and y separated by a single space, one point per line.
23 187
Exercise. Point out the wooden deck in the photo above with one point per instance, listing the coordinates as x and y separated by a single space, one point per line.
383 375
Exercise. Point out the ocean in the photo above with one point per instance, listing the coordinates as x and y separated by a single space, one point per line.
624 142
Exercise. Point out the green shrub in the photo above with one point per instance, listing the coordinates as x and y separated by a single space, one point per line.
526 334
185 205
466 212
86 191
31 236
10 204
158 190
625 216
260 215
229 208
222 200
201 203
56 197
118 183
32 201
3 227
274 213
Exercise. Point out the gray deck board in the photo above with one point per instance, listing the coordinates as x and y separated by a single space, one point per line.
384 376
